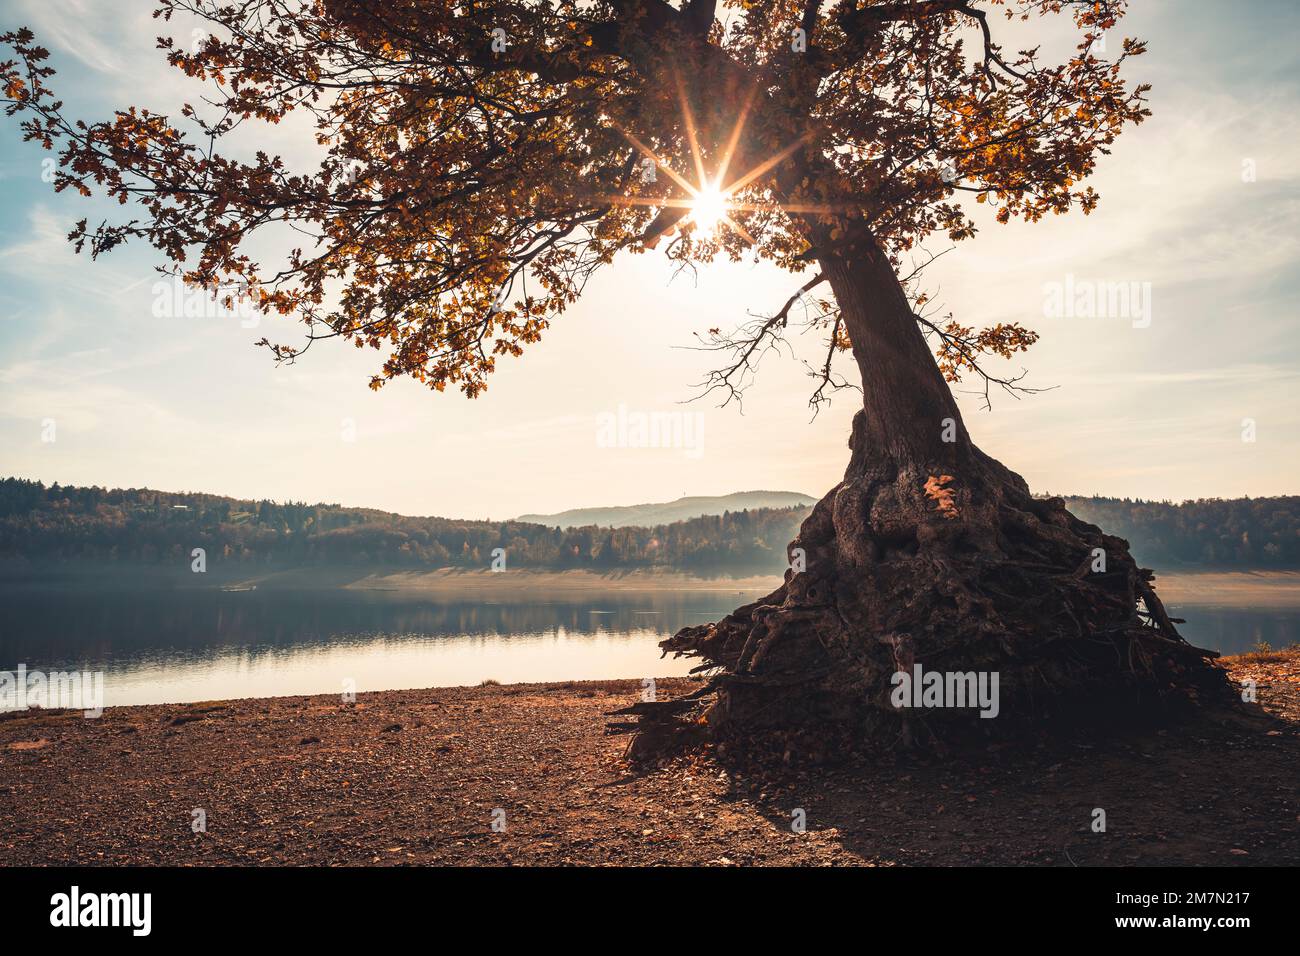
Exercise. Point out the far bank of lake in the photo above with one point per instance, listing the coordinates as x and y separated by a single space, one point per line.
1236 589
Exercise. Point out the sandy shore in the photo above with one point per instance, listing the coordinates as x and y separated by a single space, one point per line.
420 777
1243 589
1238 589
551 582
1280 589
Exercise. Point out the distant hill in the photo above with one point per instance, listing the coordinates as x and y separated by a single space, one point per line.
683 509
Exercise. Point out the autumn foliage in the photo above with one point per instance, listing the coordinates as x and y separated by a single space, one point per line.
477 163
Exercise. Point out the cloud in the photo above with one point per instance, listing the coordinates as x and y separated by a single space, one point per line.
77 27
42 254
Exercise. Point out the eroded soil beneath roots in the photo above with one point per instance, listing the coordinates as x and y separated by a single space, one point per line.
413 777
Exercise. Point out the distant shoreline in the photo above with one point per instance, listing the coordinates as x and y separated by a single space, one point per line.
456 580
1236 589
1226 588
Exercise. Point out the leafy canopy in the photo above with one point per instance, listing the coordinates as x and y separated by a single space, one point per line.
478 161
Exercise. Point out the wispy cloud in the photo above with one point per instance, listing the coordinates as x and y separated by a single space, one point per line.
77 27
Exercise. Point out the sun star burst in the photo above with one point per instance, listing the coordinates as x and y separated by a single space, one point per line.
710 204
709 209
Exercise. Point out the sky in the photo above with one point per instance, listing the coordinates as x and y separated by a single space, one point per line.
1188 390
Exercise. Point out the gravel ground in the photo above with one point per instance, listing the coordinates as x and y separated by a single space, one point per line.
523 774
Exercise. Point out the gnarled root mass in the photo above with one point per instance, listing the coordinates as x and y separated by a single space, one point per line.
957 571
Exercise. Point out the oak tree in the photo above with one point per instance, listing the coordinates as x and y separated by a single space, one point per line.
479 160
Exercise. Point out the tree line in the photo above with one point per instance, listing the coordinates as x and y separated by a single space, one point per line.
63 524
1208 532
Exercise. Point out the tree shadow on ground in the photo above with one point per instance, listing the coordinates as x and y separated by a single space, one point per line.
1200 794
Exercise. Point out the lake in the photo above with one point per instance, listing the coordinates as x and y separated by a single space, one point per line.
190 645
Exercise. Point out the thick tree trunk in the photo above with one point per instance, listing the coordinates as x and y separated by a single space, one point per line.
929 553
908 410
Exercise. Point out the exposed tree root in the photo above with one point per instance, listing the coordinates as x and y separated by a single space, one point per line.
957 569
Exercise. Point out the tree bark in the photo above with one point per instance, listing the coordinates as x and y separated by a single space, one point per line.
908 408
929 553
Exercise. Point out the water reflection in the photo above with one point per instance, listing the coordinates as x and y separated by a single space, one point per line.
1231 630
204 645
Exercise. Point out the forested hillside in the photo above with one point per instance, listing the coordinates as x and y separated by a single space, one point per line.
63 524
1209 532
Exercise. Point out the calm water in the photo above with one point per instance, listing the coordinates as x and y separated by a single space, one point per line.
162 647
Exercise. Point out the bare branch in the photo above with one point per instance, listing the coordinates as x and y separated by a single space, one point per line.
748 344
